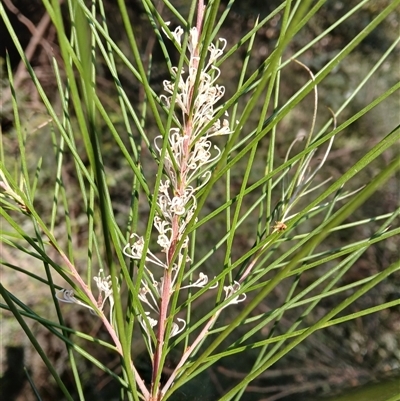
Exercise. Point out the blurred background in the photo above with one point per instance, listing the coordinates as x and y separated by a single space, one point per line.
363 353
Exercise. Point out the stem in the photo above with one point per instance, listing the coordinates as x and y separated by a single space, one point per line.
165 297
189 351
167 282
100 314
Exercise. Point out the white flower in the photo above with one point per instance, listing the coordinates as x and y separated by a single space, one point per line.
164 242
200 283
136 249
178 205
187 159
143 291
68 297
162 226
104 285
193 41
215 53
175 328
231 290
177 34
164 186
151 322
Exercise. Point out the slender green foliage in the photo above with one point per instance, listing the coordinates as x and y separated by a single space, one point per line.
193 216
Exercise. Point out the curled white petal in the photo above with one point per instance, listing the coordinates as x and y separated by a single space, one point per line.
202 280
151 322
164 242
177 34
68 297
136 249
230 290
143 291
104 285
176 329
200 283
178 205
193 40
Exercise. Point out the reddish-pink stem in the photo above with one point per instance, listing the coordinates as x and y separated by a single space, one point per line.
189 351
165 296
105 321
167 283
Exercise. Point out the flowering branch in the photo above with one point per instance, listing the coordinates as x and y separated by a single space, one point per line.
99 312
186 166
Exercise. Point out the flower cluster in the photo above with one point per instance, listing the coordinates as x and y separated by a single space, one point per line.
190 146
105 293
186 164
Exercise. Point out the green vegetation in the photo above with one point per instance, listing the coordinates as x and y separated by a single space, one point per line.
214 195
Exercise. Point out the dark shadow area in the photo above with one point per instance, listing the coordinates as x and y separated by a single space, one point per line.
14 378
